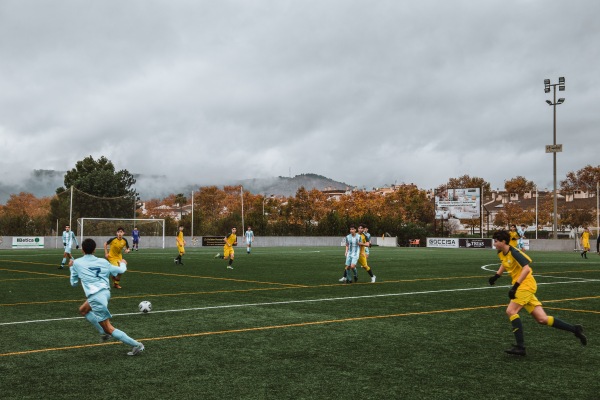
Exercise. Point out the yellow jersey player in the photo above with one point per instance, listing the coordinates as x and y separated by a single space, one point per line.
514 236
228 252
585 242
113 251
180 246
364 245
522 293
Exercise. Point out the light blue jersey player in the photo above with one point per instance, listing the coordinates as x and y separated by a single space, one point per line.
93 273
68 237
352 254
249 238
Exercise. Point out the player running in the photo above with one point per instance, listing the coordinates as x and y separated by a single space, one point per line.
68 237
228 252
93 272
115 254
522 293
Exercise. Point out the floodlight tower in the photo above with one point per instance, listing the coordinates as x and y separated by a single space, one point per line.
554 148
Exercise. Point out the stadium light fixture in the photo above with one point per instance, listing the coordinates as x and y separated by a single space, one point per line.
561 87
546 85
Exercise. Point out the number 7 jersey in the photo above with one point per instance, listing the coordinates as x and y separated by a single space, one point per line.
93 272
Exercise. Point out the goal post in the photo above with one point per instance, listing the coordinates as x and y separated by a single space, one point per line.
148 227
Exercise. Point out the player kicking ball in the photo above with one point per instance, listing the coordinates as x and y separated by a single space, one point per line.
522 293
94 272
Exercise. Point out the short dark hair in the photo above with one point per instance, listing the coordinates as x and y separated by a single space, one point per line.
502 236
352 227
362 225
120 229
88 246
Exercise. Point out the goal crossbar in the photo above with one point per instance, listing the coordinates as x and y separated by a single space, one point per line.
81 222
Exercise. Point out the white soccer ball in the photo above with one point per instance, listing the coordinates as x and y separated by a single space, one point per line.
145 307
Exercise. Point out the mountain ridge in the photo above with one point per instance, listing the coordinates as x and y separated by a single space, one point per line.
43 183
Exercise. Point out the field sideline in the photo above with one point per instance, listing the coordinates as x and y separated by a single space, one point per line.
281 326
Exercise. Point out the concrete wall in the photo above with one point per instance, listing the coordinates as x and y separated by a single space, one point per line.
552 245
54 242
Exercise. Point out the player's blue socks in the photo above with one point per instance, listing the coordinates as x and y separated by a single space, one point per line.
64 260
355 272
92 320
122 336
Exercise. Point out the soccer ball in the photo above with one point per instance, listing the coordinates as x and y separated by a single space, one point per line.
145 307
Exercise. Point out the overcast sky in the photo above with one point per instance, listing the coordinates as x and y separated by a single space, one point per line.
368 92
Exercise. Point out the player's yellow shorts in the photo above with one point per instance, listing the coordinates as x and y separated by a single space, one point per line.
114 260
362 260
181 249
586 245
527 299
227 251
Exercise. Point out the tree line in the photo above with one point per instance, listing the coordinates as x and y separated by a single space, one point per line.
98 190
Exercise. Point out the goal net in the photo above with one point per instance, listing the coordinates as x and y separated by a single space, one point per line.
152 231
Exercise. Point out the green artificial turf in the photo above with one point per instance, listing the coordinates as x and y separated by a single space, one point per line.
281 326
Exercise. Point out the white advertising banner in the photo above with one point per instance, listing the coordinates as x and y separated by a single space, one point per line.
446 243
28 242
457 203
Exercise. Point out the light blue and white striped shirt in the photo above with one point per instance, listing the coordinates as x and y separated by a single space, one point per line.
68 239
352 243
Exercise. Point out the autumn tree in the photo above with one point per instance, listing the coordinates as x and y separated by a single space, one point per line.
25 214
465 182
584 179
518 185
574 218
510 214
308 206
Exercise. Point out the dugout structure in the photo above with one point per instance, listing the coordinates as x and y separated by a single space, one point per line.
148 227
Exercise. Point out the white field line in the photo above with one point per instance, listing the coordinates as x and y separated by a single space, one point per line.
297 302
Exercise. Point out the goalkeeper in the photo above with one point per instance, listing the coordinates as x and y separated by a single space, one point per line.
522 293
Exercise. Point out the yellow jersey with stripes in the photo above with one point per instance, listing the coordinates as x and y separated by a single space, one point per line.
513 262
116 248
